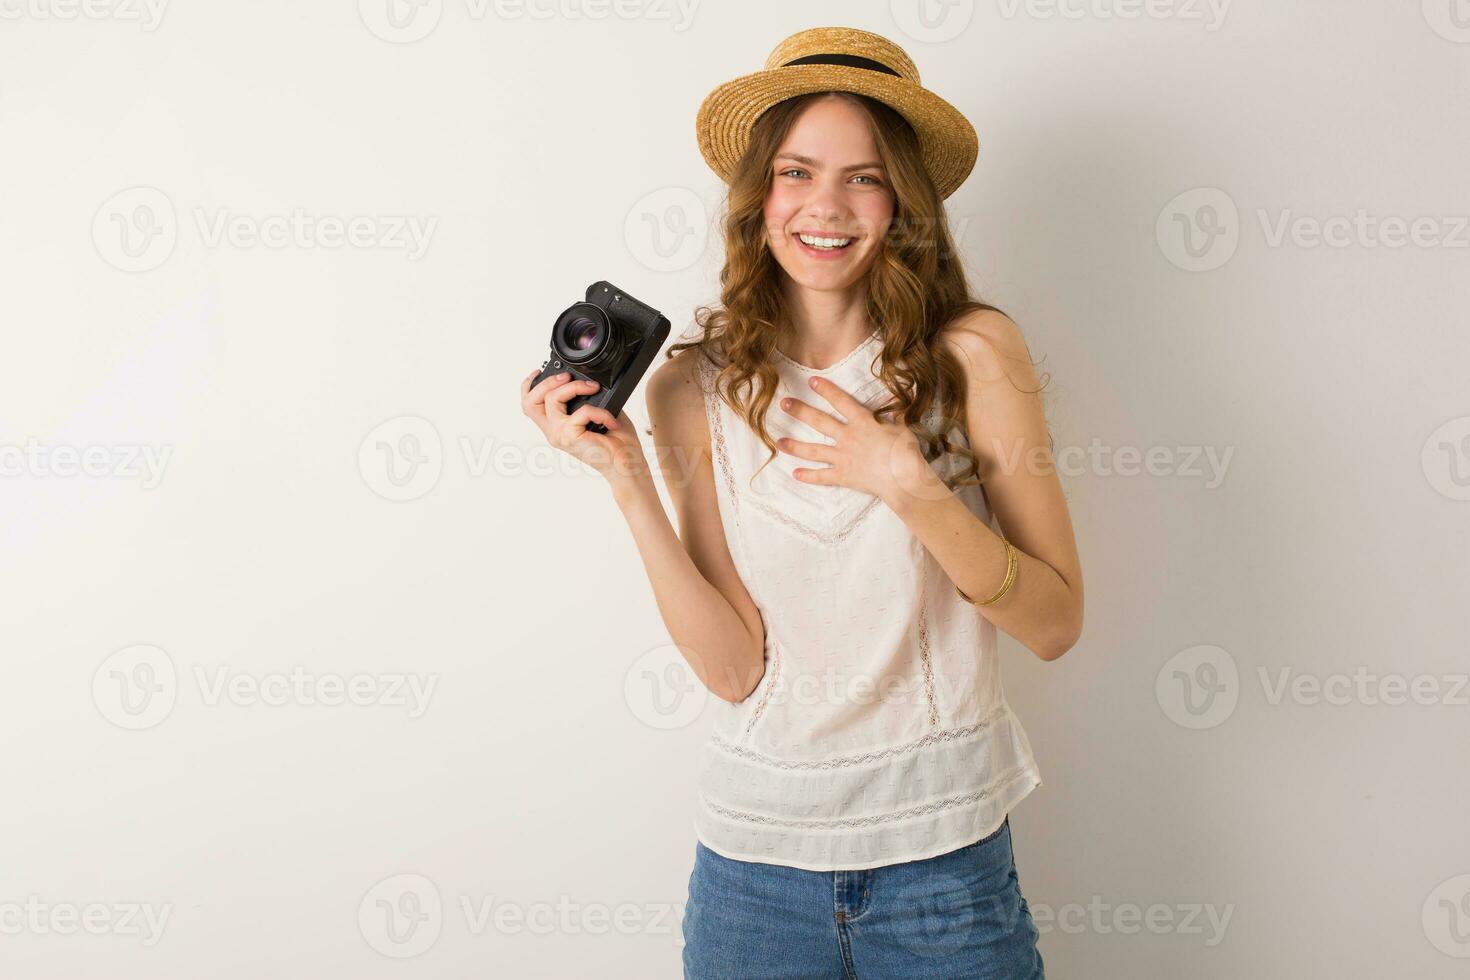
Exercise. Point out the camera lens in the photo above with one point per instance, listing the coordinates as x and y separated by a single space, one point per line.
584 335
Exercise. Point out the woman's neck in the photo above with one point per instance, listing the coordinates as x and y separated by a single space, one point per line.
825 326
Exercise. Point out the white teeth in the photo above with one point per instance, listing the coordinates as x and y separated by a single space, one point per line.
824 242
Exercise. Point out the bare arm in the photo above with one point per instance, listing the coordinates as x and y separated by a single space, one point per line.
705 606
1007 431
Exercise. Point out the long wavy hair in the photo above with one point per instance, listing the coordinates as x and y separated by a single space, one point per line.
915 287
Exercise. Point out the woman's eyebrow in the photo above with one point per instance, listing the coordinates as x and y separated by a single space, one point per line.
812 163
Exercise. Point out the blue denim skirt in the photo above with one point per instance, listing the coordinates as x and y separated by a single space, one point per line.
959 914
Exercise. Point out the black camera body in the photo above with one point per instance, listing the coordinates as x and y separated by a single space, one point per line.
610 338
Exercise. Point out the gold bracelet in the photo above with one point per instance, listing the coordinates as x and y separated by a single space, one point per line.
1011 565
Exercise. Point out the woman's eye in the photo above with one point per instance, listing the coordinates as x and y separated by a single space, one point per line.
868 177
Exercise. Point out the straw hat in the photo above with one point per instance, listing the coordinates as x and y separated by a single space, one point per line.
841 59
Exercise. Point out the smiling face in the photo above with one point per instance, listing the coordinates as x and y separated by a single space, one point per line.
829 187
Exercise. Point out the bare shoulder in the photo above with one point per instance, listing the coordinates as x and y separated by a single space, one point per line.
989 346
675 401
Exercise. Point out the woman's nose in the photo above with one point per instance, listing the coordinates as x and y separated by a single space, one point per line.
826 203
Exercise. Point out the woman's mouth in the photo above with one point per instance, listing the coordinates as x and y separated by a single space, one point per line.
823 246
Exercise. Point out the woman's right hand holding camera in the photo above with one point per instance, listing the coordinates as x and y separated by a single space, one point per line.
618 453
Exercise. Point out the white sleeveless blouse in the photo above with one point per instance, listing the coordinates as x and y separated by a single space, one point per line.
880 731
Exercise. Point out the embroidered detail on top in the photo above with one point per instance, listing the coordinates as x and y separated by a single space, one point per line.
867 341
770 686
824 537
717 439
914 811
862 758
717 430
924 641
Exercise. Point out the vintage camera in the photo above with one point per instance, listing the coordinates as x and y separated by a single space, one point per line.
610 338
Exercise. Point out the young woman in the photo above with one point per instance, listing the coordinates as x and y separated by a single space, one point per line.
863 477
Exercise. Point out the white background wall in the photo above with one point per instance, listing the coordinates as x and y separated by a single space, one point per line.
542 778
